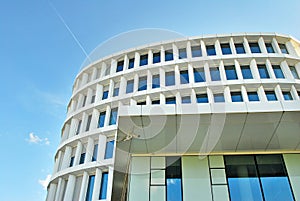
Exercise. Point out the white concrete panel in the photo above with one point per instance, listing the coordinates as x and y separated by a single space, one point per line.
292 163
218 176
158 162
220 193
157 193
216 162
157 177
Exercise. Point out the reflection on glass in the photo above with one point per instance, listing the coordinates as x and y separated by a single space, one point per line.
173 179
174 189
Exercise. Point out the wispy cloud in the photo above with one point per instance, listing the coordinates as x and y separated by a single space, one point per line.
34 139
44 182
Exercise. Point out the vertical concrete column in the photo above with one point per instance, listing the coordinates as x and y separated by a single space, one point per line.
67 157
189 50
122 88
175 52
286 70
83 189
110 88
246 46
150 57
72 106
51 192
238 70
94 74
57 162
135 83
73 127
149 80
162 54
78 153
227 95
70 188
66 131
101 147
291 48
276 46
109 182
113 65
261 94
99 92
89 150
60 188
107 116
162 98
278 93
218 48
210 95
103 69
84 79
254 70
97 184
95 118
126 62
80 101
232 46
244 94
206 72
136 59
203 48
89 96
262 46
294 93
162 78
193 97
191 73
270 69
177 75
222 71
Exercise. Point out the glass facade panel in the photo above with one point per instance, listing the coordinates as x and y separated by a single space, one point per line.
113 116
182 53
226 49
171 100
156 57
90 188
253 96
103 187
199 75
287 95
270 48
169 55
215 74
173 179
294 72
129 87
219 98
95 152
82 158
155 102
196 51
144 60
283 48
170 78
271 96
101 119
254 47
239 48
155 81
88 123
72 161
263 71
278 72
131 63
116 91
120 66
105 95
236 97
142 83
109 149
210 49
184 77
186 99
202 98
246 72
230 73
78 127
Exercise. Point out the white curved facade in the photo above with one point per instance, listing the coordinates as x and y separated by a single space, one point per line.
208 96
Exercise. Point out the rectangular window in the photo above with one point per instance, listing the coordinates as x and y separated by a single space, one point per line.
131 63
103 187
254 47
141 103
82 158
170 78
196 51
93 98
210 49
109 149
253 96
120 66
95 152
156 102
239 48
202 98
215 74
169 55
277 71
219 98
225 47
155 81
88 123
184 77
113 116
263 71
90 188
144 60
101 119
199 75
171 100
116 91
78 127
156 57
173 178
230 73
186 99
283 48
246 72
142 83
271 96
105 95
287 95
72 161
182 53
270 48
129 87
294 72
236 97
84 101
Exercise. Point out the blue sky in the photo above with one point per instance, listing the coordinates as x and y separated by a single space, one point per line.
40 59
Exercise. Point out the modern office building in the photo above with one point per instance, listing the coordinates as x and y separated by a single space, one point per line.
212 118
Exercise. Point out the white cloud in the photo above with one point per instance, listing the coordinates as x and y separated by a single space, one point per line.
45 182
37 140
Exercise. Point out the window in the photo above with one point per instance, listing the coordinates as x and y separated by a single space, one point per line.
169 55
156 57
103 187
254 47
196 51
271 96
236 97
230 73
278 72
143 60
210 49
90 188
156 102
101 120
173 179
186 99
270 48
142 83
283 48
93 98
246 72
219 98
129 87
263 72
287 95
155 81
184 77
88 123
105 95
182 53
109 149
170 78
215 74
113 116
202 98
107 71
294 72
253 96
72 161
78 127
257 177
131 63
199 75
82 158
171 100
116 91
95 152
239 48
120 66
225 47
141 103
84 101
